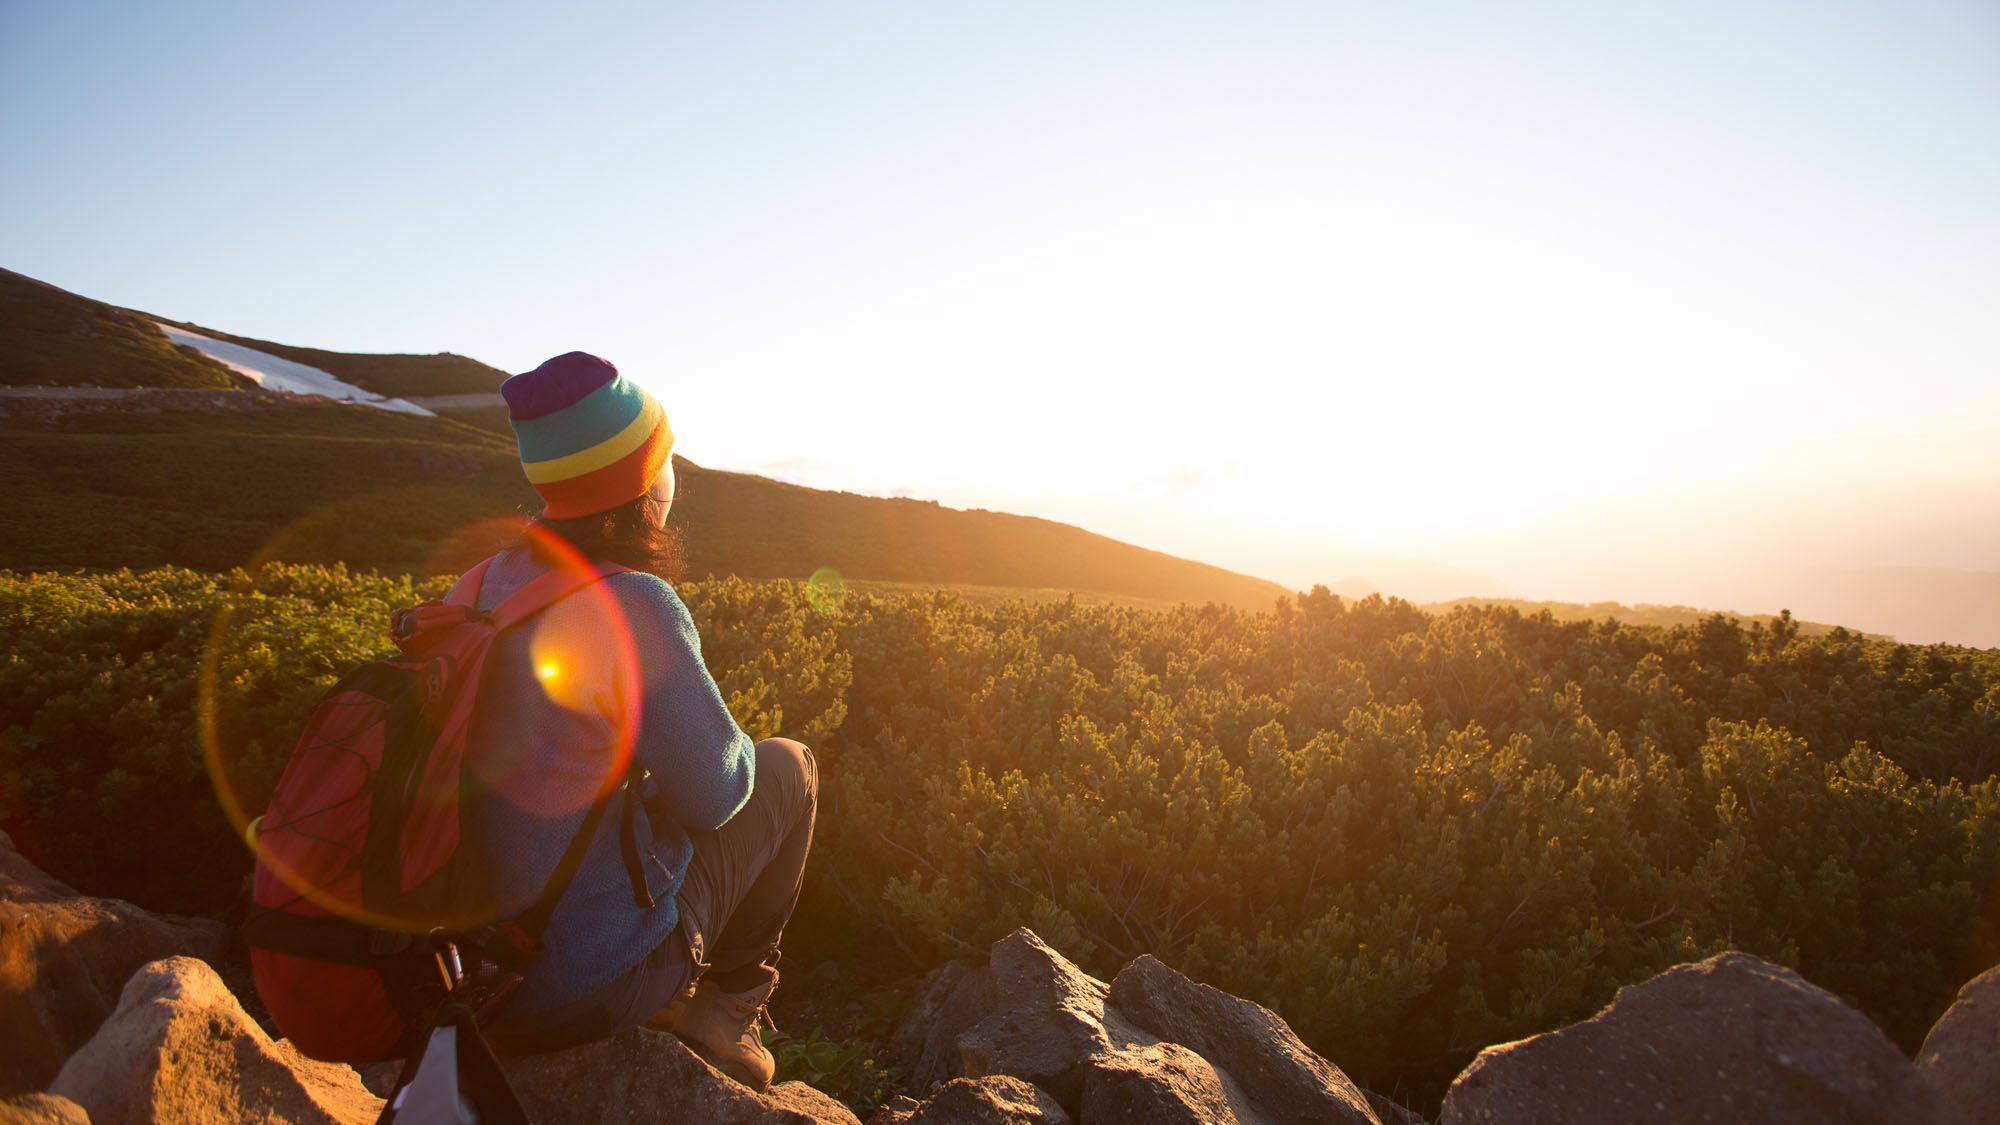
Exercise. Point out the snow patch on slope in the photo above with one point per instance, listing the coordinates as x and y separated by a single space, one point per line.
275 374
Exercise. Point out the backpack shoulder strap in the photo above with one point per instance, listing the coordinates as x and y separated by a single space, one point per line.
466 592
544 591
537 595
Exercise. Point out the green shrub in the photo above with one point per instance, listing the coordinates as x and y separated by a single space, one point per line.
1411 836
843 1070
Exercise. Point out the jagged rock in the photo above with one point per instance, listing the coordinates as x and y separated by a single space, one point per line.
1049 1018
1732 1038
950 1000
178 1048
996 1099
1164 1084
647 1075
1960 1058
65 957
41 1109
810 1103
1227 1060
1285 1080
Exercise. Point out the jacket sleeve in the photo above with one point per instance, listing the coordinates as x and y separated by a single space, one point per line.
702 762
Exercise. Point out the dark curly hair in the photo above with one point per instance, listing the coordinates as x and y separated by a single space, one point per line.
629 535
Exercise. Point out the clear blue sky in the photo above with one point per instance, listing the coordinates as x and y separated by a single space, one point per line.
1593 298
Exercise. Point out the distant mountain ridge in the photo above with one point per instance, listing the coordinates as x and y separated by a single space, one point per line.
152 480
50 337
1645 613
1919 605
760 528
221 478
214 484
54 338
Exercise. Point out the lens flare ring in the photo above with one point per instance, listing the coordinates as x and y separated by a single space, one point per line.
613 700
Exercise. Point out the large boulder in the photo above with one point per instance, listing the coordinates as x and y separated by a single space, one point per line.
949 1001
1285 1080
179 1049
810 1103
41 1109
1068 1033
647 1075
1960 1058
993 1100
1049 1019
1732 1038
64 960
1164 1084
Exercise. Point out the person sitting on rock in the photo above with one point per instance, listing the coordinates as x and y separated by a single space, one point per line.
674 914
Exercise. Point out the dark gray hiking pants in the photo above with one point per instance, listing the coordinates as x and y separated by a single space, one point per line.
741 888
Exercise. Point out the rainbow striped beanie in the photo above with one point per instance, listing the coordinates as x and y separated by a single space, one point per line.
590 438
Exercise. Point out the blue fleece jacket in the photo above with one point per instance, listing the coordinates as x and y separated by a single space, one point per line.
558 694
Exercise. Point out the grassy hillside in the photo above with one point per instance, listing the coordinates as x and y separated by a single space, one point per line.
50 337
54 338
300 482
398 376
109 485
761 528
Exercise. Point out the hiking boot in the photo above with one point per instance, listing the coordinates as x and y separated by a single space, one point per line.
724 1028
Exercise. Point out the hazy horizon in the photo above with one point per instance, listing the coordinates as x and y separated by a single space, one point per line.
1646 305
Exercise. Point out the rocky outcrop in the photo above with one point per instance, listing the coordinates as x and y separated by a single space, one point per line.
647 1075
948 1002
64 959
993 1100
1284 1079
1732 1038
1029 1039
1049 1020
41 1109
1162 1084
178 1048
1182 1052
807 1103
1960 1058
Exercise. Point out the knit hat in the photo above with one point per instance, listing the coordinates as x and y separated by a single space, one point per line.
590 438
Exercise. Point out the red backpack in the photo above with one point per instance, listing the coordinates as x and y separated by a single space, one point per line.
368 917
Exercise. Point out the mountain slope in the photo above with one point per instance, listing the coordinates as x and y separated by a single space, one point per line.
222 479
217 480
757 527
51 337
391 375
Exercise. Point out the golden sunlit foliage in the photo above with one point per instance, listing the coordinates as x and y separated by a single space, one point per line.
1410 835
